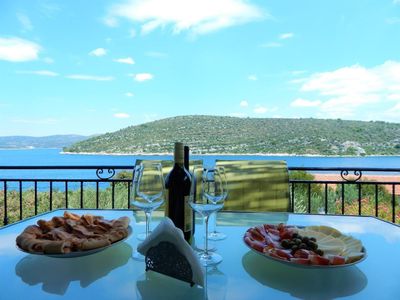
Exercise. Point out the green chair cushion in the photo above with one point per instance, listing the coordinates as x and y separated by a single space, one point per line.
256 185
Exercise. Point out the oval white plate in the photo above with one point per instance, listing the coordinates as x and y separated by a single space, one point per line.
80 253
363 250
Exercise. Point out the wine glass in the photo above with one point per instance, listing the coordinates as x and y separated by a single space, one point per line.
147 191
215 235
211 199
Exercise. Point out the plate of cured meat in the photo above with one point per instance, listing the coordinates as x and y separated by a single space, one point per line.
72 235
305 246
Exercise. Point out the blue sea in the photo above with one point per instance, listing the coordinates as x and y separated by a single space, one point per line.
54 157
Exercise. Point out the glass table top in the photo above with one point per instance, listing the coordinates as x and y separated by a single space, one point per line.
114 274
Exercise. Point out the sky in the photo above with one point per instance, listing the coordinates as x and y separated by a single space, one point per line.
90 67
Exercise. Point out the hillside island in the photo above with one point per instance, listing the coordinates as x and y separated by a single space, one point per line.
233 135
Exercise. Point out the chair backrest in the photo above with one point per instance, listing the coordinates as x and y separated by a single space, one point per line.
256 185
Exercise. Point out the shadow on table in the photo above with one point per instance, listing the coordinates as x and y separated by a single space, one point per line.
305 283
152 285
56 273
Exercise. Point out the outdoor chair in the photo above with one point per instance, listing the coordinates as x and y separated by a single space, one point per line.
256 185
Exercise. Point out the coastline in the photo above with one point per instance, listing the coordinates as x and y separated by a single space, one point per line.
219 154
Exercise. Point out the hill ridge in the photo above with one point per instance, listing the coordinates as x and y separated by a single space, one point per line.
220 134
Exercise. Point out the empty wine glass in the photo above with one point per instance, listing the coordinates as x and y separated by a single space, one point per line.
211 199
215 235
147 191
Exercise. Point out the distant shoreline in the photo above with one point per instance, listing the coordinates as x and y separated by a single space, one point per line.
221 154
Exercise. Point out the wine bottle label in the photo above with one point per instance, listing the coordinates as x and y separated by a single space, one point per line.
188 215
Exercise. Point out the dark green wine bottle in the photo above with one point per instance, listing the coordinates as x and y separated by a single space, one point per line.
177 185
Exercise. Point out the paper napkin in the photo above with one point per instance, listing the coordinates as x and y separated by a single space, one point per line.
167 232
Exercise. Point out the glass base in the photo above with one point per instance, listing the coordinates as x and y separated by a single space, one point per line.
138 256
209 259
216 236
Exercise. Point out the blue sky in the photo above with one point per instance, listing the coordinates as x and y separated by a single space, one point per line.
88 67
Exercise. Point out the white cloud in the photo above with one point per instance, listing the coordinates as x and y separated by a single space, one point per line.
121 115
129 94
18 50
252 77
90 77
39 72
271 45
127 60
140 77
285 36
343 92
198 17
299 102
25 21
394 97
244 103
260 110
98 52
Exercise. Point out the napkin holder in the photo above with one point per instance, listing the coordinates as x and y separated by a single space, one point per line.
166 259
166 252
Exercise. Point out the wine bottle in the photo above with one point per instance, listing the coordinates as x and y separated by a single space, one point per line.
177 184
186 152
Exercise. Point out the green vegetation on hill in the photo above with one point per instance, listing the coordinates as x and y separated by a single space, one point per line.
214 134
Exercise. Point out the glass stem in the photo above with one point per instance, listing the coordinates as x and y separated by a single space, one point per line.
206 235
213 222
148 220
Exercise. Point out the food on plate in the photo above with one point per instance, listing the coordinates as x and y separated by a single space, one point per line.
310 245
72 232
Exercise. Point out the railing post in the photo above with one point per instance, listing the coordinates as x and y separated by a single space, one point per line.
5 221
20 200
393 204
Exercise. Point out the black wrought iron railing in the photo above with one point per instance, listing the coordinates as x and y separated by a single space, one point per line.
354 191
29 190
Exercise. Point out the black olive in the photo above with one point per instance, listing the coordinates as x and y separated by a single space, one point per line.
302 246
320 252
305 239
313 246
295 235
294 248
285 244
313 239
297 241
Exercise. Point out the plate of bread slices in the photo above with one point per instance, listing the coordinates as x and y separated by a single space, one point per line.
73 235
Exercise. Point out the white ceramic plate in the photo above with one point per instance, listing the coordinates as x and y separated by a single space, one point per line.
286 262
80 253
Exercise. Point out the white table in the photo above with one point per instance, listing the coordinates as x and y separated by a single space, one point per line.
113 274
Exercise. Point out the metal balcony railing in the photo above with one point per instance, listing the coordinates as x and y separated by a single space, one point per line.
24 192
